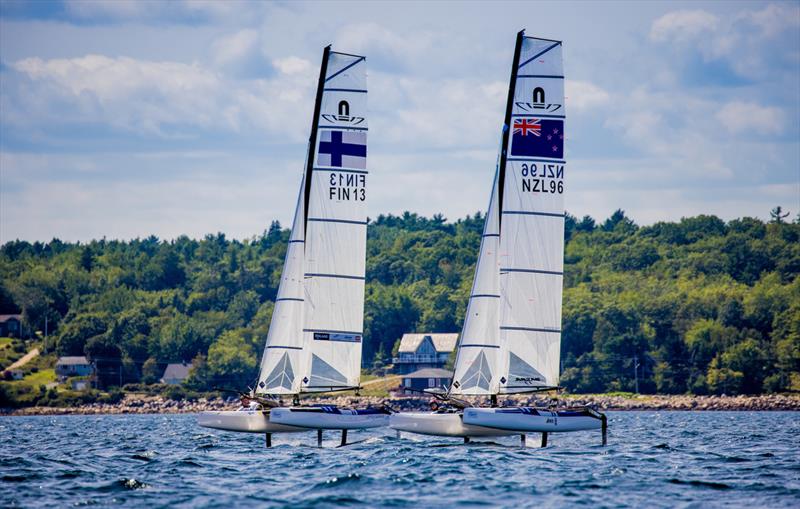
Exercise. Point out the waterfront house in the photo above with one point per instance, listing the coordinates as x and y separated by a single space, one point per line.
427 378
73 366
176 373
426 350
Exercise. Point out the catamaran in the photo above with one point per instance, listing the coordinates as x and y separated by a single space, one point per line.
511 339
315 336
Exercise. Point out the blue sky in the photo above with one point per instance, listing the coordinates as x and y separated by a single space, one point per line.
125 119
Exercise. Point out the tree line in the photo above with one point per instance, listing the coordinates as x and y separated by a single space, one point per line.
697 306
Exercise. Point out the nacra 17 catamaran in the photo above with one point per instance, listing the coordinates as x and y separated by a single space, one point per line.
314 339
511 339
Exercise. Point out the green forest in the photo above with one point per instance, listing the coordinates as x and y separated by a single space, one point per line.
697 306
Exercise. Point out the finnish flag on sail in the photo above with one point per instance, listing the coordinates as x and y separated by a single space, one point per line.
342 149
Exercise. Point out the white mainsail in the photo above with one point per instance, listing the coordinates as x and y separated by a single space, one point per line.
532 221
511 338
314 340
336 230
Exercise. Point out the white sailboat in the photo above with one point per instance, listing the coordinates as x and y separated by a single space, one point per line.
511 339
315 336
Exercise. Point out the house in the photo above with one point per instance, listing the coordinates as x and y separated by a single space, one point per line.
80 385
427 378
74 366
419 351
11 326
17 374
176 373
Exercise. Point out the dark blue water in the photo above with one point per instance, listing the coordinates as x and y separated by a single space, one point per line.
654 459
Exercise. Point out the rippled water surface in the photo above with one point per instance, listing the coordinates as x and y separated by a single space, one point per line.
664 459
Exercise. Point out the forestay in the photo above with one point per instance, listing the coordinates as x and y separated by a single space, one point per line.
336 229
532 221
314 340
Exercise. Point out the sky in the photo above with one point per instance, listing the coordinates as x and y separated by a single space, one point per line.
122 119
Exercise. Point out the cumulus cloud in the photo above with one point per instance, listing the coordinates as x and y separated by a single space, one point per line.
582 95
683 25
749 42
160 97
738 117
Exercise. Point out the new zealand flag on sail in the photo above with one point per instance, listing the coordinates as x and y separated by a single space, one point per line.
537 137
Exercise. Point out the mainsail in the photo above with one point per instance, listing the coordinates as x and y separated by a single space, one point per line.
520 351
327 305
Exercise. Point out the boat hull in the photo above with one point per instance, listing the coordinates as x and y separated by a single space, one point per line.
329 417
248 421
522 419
447 425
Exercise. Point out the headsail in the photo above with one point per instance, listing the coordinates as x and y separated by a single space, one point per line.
336 228
283 354
478 354
532 220
314 339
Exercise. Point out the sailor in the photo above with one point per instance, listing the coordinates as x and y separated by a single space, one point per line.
434 405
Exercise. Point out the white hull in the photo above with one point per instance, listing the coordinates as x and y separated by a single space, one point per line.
330 418
250 421
531 419
448 425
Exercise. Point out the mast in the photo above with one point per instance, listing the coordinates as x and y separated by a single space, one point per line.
512 86
312 139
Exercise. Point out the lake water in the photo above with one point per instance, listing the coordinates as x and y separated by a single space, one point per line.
654 459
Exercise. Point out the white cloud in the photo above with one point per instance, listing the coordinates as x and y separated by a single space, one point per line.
683 25
583 95
292 65
738 117
235 47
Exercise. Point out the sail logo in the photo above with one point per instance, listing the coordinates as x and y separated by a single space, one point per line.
343 149
538 137
538 104
343 117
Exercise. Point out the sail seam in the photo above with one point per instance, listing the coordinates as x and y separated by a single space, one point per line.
554 76
531 213
341 276
342 170
357 90
281 299
537 115
341 127
484 295
490 235
533 271
479 345
334 331
534 57
296 241
529 159
283 347
530 329
343 69
344 221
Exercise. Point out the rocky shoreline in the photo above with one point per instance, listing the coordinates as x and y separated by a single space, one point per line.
140 404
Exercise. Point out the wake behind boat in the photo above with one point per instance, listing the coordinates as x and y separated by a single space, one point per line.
511 339
314 340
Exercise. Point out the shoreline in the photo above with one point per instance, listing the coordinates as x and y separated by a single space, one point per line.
140 404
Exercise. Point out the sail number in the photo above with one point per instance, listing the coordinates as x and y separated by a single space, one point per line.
543 178
347 187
